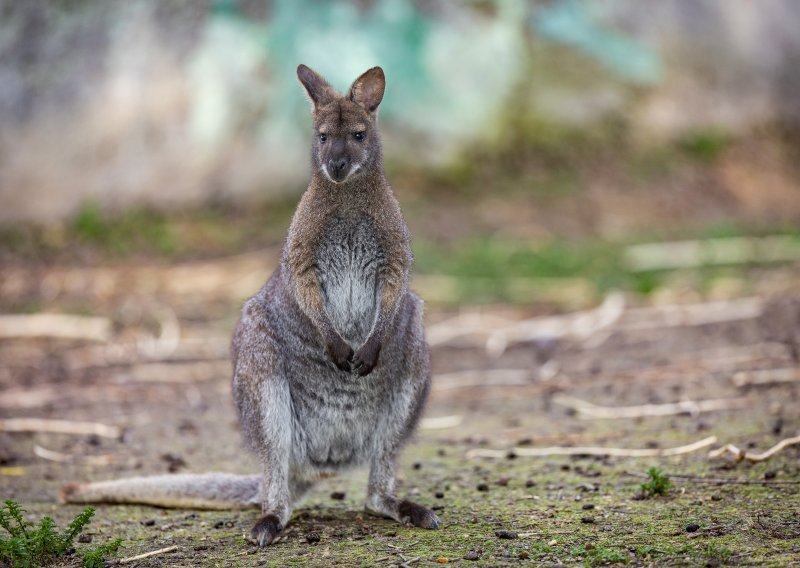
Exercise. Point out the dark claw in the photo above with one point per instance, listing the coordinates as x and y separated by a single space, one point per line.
366 358
265 530
418 515
340 353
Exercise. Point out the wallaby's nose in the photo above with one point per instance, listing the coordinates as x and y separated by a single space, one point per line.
337 166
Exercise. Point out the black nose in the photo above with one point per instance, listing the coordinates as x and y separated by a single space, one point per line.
337 166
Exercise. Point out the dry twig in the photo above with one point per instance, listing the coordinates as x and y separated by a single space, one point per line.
52 455
59 427
743 455
147 554
764 377
588 410
60 326
593 451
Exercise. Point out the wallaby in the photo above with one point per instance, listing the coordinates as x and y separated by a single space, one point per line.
331 366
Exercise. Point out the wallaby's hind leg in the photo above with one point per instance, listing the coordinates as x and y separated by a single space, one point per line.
381 499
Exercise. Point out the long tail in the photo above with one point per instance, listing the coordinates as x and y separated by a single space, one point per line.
182 491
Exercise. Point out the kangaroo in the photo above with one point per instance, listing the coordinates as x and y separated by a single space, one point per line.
331 366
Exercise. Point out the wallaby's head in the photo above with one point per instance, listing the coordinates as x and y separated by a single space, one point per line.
346 139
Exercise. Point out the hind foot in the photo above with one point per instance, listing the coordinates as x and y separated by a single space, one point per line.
265 530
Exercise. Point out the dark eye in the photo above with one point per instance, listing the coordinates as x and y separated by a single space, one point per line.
323 137
359 136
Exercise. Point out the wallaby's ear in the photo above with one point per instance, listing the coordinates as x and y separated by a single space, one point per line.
318 89
368 89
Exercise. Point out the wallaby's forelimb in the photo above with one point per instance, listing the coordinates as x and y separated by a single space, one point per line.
221 491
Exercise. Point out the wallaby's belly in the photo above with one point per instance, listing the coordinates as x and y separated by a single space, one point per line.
349 261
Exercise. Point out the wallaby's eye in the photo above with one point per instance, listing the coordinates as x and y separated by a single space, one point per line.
323 137
359 136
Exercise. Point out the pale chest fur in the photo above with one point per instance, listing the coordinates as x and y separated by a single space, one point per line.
349 262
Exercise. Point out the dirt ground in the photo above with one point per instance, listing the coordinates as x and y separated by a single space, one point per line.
162 374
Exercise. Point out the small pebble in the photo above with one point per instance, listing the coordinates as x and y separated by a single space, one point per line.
503 481
417 465
472 555
84 538
770 474
588 506
523 555
442 560
149 522
587 520
508 535
692 527
716 497
439 495
530 483
338 495
483 487
312 537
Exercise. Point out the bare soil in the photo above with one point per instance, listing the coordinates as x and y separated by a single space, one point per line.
172 399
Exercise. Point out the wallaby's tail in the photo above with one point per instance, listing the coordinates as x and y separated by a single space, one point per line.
181 491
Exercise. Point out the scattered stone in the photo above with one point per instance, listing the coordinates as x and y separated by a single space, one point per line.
716 497
530 483
587 520
338 495
777 426
442 560
507 535
523 555
84 538
566 467
511 455
472 555
174 462
441 452
439 495
588 506
417 465
313 538
503 481
149 522
483 487
692 527
770 474
639 496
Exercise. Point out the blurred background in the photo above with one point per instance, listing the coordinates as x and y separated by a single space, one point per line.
604 198
525 140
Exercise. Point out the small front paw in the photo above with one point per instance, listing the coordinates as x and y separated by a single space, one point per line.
418 515
366 358
340 353
265 530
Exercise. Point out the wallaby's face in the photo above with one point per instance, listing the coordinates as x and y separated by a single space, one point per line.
346 140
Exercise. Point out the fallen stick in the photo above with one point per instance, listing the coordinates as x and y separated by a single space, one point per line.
765 377
588 410
52 455
719 481
579 325
147 555
59 326
732 250
743 455
59 427
593 451
441 422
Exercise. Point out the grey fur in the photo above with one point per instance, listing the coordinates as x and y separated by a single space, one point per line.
331 366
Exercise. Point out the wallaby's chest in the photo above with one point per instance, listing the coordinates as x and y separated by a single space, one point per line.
349 262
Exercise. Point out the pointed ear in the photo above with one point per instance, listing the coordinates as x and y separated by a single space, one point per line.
368 89
318 89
